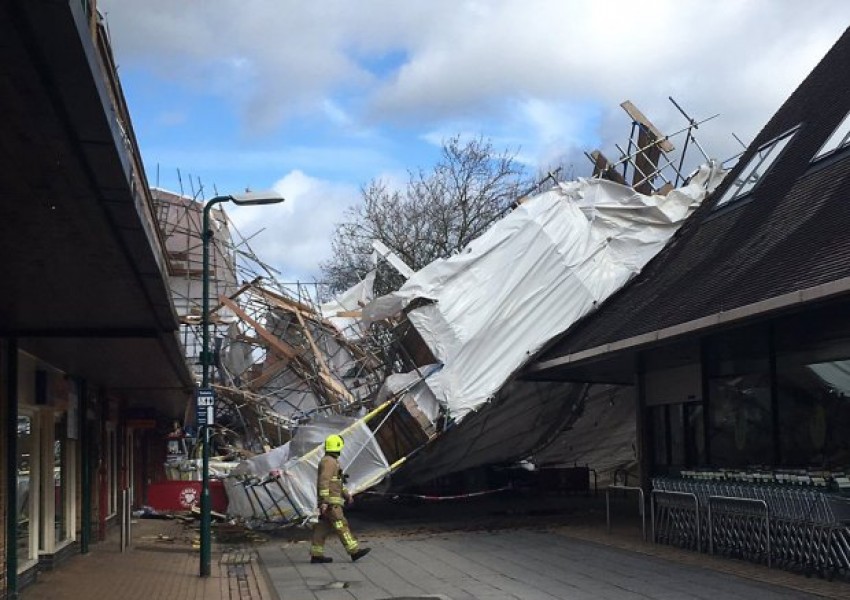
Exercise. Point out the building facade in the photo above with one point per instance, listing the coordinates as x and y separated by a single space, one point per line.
737 336
90 359
736 342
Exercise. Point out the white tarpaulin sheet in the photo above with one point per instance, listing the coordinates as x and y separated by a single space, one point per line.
412 386
352 299
531 276
277 487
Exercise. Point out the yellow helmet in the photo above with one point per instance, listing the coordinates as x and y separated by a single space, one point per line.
334 443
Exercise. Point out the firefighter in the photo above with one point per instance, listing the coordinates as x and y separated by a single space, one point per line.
331 497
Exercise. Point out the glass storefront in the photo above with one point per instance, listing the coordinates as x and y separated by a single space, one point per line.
60 477
813 388
741 424
778 397
26 441
677 440
694 435
741 420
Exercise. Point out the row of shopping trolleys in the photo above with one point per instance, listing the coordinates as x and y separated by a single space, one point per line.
805 529
792 527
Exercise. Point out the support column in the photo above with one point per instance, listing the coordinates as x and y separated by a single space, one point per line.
10 375
85 469
705 388
774 397
102 466
642 425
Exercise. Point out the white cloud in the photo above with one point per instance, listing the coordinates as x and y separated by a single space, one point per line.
472 61
295 234
346 160
373 78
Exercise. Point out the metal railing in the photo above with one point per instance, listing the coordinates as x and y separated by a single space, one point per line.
641 506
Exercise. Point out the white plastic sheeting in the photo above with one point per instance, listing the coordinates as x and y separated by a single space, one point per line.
531 276
352 299
278 487
413 386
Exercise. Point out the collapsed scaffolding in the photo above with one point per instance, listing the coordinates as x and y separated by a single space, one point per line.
425 378
278 361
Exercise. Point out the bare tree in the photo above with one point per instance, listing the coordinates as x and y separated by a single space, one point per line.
439 211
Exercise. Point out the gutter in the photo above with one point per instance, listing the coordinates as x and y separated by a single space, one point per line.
825 291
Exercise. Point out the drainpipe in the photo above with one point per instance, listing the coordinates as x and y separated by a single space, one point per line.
11 468
85 468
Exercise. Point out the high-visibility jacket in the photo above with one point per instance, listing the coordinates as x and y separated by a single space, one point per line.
330 489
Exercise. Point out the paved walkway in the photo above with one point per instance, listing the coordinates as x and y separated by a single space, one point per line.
424 551
523 564
163 563
519 547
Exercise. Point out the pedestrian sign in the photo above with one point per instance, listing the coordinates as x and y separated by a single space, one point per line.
205 407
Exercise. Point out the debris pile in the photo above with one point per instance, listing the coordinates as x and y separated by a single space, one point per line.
426 380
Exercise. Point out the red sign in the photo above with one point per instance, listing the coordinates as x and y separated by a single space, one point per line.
179 496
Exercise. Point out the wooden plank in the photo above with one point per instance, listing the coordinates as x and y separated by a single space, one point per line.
241 289
665 189
270 371
179 271
287 350
280 301
646 163
319 356
602 168
293 306
278 344
639 117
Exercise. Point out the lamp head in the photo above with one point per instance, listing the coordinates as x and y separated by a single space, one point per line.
256 198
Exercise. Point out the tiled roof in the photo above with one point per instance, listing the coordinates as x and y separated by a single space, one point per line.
792 232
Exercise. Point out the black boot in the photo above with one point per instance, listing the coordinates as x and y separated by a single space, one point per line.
360 554
321 559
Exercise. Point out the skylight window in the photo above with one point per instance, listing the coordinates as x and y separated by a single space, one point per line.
757 168
839 139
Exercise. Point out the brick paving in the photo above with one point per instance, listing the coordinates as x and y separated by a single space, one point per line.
163 563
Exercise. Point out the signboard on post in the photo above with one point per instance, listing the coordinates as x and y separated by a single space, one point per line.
205 407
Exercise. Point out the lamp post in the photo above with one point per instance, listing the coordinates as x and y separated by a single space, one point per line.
247 199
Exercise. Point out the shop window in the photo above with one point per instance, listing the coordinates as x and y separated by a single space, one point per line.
60 478
26 487
741 412
659 439
677 436
694 434
673 386
741 420
813 380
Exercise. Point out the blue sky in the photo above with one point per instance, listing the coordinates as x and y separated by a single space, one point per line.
315 99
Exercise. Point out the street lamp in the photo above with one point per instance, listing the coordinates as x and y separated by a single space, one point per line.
246 199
